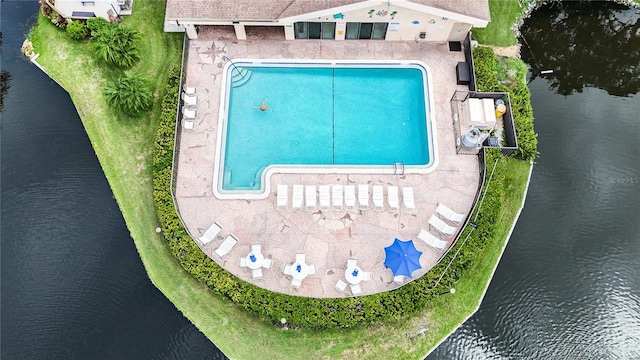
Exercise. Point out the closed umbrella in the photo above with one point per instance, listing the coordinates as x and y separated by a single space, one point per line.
402 257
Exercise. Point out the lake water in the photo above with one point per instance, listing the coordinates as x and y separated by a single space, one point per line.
73 285
568 285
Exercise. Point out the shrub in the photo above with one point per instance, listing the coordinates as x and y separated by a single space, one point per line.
313 312
97 24
513 73
129 93
485 66
77 30
117 45
45 8
58 20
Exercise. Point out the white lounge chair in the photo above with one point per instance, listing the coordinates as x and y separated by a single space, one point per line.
210 234
190 100
189 90
300 258
441 226
325 199
286 269
341 285
356 290
267 263
337 197
431 240
449 214
295 283
256 248
256 273
311 269
282 198
378 198
392 198
398 279
297 197
351 262
363 196
189 113
407 199
366 275
242 262
226 245
310 197
350 197
188 123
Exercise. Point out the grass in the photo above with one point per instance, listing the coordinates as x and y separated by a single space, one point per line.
124 148
504 14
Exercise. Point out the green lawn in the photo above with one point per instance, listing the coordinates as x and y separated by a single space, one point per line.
504 14
124 148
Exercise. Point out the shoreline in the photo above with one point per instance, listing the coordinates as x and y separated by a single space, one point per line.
156 259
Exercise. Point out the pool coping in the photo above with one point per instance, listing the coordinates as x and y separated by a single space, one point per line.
269 171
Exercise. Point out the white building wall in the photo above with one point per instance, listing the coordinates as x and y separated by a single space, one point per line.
100 8
404 24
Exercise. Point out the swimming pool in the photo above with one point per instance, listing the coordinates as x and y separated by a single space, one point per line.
321 117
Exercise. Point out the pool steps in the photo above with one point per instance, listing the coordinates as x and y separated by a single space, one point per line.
240 77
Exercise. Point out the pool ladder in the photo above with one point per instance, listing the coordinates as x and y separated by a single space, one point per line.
398 166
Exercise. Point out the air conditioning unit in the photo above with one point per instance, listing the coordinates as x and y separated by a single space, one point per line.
121 2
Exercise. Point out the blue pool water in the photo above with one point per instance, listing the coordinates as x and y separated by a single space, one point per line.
323 116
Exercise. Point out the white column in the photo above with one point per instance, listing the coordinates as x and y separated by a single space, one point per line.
341 29
289 33
192 34
241 34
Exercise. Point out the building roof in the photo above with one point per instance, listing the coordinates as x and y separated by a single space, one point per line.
271 10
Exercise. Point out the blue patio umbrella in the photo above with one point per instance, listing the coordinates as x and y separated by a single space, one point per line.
402 257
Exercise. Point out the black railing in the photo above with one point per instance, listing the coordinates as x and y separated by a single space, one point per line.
468 57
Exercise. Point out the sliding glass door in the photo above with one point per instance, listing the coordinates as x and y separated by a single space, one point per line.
375 31
315 30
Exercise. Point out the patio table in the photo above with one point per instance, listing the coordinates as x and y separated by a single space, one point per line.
254 260
353 274
299 270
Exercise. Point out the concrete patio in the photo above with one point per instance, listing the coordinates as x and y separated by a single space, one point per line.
328 238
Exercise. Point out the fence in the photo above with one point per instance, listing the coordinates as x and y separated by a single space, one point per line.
178 132
508 133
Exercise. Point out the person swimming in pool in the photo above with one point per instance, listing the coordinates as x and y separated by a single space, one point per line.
263 107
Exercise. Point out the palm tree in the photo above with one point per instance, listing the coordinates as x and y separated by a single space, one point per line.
118 45
129 93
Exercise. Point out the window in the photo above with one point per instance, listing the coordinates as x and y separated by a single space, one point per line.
328 30
302 30
315 30
379 31
365 30
352 30
375 31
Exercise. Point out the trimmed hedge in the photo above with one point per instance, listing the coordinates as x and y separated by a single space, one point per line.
486 67
303 311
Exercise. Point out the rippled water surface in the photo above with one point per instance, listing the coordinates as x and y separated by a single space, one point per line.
73 285
568 285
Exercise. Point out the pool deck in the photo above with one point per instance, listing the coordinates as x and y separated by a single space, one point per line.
328 238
